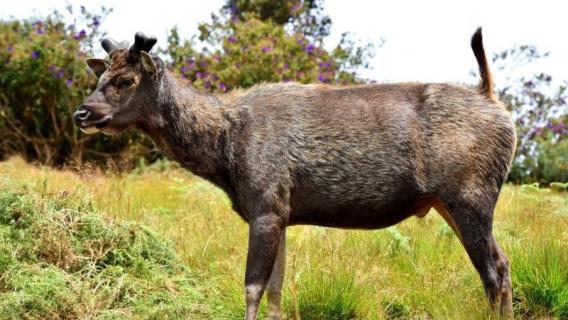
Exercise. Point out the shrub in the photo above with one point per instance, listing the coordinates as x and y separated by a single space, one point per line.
43 78
254 42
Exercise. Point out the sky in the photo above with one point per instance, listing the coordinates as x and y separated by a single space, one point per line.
424 41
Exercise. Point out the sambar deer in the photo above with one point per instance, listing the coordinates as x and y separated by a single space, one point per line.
363 156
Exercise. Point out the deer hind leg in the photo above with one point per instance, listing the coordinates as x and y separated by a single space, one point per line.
472 221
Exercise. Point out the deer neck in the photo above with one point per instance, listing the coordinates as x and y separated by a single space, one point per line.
190 128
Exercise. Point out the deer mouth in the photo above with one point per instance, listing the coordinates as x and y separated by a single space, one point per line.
89 122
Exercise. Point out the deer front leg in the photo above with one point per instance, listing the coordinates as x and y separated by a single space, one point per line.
274 289
264 237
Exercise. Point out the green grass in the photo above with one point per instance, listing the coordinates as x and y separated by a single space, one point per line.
162 243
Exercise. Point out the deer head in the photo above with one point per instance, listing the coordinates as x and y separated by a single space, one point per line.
129 80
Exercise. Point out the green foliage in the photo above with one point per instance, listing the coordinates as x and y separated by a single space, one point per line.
43 78
540 110
243 49
553 160
58 259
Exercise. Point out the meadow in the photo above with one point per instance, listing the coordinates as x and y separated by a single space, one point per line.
160 243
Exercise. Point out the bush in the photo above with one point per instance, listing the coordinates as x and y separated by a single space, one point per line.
540 109
254 42
43 78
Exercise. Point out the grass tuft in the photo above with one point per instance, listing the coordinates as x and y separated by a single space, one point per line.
60 263
543 291
320 295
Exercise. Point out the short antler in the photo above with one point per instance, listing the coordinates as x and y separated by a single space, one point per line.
111 45
142 43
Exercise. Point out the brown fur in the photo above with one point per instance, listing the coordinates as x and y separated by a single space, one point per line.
366 156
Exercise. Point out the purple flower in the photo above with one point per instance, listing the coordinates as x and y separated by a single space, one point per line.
266 49
59 74
183 69
207 85
96 22
35 55
234 12
557 128
223 87
324 64
203 64
321 78
232 39
69 82
286 66
310 48
297 7
198 75
39 27
80 35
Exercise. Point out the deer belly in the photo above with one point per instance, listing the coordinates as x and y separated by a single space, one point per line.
362 213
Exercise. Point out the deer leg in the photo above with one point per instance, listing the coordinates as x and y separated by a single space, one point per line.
274 288
264 238
473 224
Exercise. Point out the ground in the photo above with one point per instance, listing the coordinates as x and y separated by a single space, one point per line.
169 244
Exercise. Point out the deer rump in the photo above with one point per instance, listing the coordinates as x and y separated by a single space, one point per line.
370 156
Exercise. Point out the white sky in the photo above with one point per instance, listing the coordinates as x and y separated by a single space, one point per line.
424 40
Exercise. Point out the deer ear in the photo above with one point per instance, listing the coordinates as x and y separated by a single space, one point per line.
99 66
148 63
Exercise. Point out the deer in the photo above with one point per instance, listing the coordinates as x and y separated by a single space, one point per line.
364 156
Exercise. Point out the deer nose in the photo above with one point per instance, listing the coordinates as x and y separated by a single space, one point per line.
81 115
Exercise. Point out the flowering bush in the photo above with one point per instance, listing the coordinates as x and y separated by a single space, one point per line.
242 48
540 112
43 78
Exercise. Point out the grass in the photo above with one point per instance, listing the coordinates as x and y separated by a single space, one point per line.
160 242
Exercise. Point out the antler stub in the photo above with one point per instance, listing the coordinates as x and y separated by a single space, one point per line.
142 43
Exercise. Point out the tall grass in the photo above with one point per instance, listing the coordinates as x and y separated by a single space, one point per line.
415 270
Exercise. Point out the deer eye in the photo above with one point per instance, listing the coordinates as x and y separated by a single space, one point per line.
125 83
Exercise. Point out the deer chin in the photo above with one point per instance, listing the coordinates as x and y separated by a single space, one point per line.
90 130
